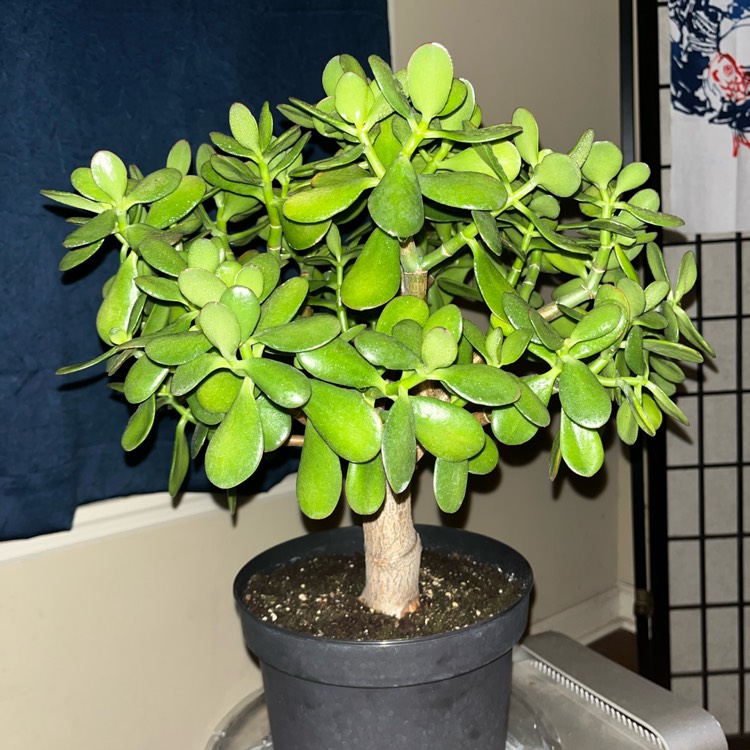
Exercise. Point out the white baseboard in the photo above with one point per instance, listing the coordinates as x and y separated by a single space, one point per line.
585 622
596 617
106 518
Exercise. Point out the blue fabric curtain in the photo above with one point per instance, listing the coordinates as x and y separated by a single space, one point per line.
133 78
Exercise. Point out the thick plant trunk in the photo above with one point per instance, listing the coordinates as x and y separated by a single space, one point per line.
393 552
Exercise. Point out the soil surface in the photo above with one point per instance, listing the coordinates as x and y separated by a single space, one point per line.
321 597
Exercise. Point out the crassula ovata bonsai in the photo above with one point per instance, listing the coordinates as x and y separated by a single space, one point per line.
269 300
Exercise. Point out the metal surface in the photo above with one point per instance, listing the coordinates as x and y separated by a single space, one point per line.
611 697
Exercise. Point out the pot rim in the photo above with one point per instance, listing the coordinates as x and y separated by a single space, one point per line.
524 572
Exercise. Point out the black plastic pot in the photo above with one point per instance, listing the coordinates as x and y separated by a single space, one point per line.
444 692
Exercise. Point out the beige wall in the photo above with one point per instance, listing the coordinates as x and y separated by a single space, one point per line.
123 634
557 59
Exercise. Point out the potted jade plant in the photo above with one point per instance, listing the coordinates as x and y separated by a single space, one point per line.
269 300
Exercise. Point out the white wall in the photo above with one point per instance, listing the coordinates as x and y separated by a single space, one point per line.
122 633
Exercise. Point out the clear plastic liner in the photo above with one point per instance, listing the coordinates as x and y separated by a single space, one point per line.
246 727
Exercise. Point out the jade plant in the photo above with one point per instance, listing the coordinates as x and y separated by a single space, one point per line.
269 300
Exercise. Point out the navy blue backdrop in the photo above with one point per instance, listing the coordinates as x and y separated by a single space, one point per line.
132 78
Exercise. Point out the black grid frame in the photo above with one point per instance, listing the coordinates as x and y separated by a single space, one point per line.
693 638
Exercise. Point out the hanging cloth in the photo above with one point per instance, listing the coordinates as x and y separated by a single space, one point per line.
131 78
710 114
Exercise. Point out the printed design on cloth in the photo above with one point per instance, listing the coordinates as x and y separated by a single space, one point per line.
710 76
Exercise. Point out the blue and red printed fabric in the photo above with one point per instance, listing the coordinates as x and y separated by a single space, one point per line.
710 113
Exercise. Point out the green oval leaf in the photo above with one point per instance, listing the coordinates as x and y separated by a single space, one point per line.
439 348
582 396
631 177
282 383
276 424
73 200
365 486
353 98
385 351
399 444
95 229
581 448
244 127
251 277
476 135
453 119
514 346
74 258
218 391
157 185
319 477
627 426
655 293
177 348
316 204
139 425
143 380
375 277
283 303
245 306
110 174
389 85
657 218
82 180
236 447
120 299
404 307
300 335
686 276
488 230
449 482
430 76
603 164
469 190
162 256
221 328
200 286
335 68
487 459
188 375
340 363
446 430
178 204
599 329
166 290
527 142
480 384
582 149
180 459
559 174
203 253
491 283
634 351
516 424
396 203
303 236
345 421
510 427
672 350
179 156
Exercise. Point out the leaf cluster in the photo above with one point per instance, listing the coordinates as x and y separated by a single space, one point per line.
270 300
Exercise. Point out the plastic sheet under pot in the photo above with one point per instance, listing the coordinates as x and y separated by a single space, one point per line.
439 692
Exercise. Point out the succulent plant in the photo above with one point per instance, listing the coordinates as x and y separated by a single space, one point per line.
270 300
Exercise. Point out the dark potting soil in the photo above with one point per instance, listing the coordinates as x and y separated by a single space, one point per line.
320 597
